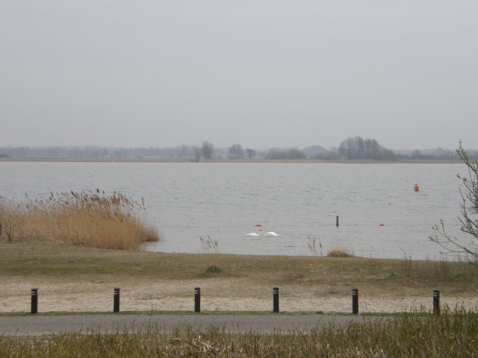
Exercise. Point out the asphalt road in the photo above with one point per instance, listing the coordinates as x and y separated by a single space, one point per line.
48 324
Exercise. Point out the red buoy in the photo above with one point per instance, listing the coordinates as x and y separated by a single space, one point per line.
417 188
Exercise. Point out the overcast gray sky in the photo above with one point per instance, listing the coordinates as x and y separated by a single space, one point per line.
261 73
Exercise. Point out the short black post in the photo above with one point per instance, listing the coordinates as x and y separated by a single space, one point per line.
197 299
355 301
275 297
34 300
436 301
116 298
337 221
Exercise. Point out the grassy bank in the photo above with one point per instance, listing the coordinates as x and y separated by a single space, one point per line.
86 218
335 275
452 334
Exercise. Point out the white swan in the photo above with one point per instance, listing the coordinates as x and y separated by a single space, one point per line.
271 233
255 234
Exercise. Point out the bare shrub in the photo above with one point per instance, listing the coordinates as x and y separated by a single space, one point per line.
340 252
468 218
209 246
313 247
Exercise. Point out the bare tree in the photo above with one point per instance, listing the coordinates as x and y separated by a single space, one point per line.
184 151
236 151
469 214
296 154
197 154
251 153
358 148
207 149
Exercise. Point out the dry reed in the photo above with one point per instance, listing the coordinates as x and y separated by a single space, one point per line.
85 218
209 246
415 334
340 252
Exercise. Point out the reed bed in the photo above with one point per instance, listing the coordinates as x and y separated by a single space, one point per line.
87 218
416 334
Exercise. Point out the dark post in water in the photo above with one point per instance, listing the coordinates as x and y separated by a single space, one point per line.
337 221
116 297
436 301
34 300
275 297
355 301
197 299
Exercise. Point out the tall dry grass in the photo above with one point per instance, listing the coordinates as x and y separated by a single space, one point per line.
416 334
438 271
87 218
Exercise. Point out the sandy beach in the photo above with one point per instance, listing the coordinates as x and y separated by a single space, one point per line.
217 294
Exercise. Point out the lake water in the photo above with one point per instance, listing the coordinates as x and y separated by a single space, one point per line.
224 201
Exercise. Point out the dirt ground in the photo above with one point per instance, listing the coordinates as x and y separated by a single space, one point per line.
57 294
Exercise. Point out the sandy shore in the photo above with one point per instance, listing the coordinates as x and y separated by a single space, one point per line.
217 294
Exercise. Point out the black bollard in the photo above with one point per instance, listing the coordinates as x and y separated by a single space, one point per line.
197 299
34 300
275 298
116 299
355 301
436 301
337 221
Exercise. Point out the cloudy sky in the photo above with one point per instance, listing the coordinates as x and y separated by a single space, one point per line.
261 73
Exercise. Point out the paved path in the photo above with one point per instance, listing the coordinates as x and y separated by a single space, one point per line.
47 324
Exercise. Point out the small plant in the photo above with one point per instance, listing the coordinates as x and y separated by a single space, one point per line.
209 246
340 253
313 246
213 269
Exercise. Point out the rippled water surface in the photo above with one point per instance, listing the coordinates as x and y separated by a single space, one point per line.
224 201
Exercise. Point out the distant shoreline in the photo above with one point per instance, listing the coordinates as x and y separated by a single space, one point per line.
238 161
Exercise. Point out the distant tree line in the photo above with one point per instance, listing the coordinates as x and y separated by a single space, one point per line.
359 148
237 152
353 148
289 154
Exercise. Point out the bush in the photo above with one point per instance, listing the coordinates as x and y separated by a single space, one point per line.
339 253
